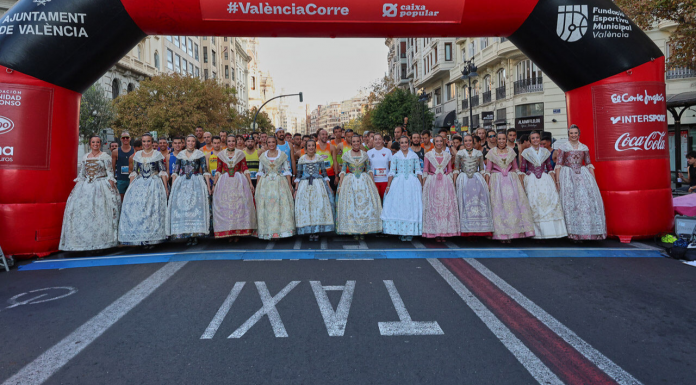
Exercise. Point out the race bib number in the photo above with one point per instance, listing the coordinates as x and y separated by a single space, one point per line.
213 172
327 164
124 170
380 172
253 174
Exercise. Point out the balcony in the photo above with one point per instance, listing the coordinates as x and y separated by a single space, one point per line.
474 101
486 97
680 73
500 93
465 104
529 85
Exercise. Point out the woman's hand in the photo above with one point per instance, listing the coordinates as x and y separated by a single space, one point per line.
253 190
113 185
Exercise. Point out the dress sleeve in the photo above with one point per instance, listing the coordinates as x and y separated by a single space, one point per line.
547 165
241 166
515 168
489 167
204 166
523 166
426 167
449 168
559 160
322 171
80 172
392 168
219 168
262 169
176 167
285 168
109 169
162 168
300 171
344 168
457 163
419 171
588 161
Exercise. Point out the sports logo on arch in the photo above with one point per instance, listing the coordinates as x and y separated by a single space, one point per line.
6 125
572 22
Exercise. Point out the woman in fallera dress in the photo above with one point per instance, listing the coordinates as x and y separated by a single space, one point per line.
91 214
473 198
144 213
440 214
540 186
359 206
275 206
189 211
234 214
512 216
582 203
403 203
314 199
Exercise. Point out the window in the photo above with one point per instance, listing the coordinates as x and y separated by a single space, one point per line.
503 39
463 54
130 88
227 72
197 72
501 77
177 63
205 37
157 60
213 53
448 51
435 55
224 38
527 110
474 88
487 83
527 70
205 54
184 66
176 41
438 96
484 43
195 51
472 48
115 89
169 38
212 39
232 73
227 57
403 70
451 91
403 50
190 68
214 75
170 59
253 82
205 74
190 47
140 52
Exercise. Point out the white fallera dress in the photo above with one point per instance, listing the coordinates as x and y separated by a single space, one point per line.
542 195
91 214
403 204
144 213
189 209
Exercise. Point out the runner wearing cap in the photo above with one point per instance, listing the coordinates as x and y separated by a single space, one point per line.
119 158
284 146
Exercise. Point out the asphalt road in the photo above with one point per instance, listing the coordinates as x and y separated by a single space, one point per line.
373 317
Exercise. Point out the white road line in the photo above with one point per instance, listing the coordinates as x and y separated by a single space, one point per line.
270 245
50 361
529 360
417 244
298 244
451 245
324 243
261 260
605 364
406 326
355 259
335 321
222 311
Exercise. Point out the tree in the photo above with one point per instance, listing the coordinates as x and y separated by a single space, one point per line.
355 125
96 113
245 120
174 105
395 106
645 13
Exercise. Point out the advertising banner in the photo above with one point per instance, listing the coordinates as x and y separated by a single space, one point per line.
630 121
435 11
530 123
25 126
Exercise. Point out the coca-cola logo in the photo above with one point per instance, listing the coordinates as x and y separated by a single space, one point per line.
6 125
640 98
654 141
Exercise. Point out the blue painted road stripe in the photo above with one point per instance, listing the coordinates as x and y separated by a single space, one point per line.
223 255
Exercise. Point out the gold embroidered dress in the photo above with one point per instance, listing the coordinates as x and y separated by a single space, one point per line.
359 206
275 207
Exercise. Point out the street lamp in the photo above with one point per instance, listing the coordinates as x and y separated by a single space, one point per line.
253 125
468 72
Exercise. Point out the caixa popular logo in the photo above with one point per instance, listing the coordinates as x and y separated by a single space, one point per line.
6 125
572 22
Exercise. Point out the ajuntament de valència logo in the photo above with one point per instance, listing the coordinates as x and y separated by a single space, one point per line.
6 125
572 22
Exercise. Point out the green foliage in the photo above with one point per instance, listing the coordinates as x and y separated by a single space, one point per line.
397 105
174 105
96 113
245 120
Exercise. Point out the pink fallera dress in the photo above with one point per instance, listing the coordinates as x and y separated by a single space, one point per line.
440 214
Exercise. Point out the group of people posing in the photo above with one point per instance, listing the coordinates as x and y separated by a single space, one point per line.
275 187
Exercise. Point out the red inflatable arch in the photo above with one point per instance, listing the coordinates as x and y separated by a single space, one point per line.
53 50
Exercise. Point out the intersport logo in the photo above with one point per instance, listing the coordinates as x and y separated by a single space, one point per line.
572 22
6 125
654 141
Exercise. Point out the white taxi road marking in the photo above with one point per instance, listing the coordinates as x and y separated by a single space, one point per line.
269 309
593 355
406 326
270 245
298 244
222 312
335 321
529 360
50 361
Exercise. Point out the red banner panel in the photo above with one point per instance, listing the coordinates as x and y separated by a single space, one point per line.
25 126
630 121
435 11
